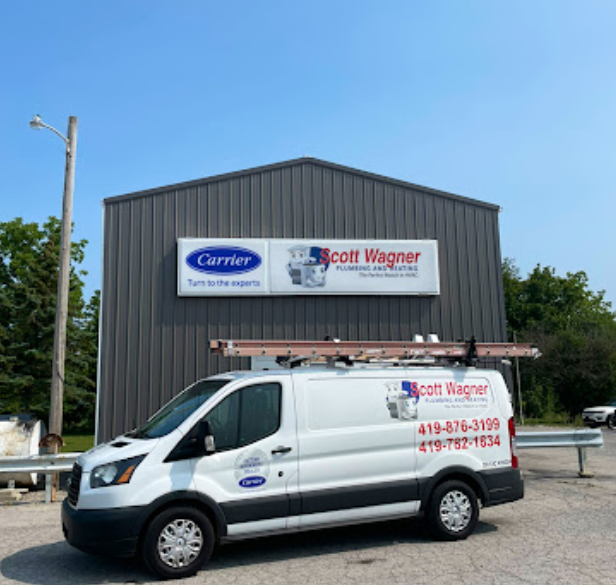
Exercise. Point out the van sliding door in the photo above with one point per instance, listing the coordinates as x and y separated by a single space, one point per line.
356 437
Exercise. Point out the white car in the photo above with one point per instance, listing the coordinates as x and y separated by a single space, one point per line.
601 415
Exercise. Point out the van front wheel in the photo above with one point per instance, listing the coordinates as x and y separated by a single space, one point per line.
453 511
178 542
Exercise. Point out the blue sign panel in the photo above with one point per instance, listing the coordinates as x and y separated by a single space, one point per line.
223 260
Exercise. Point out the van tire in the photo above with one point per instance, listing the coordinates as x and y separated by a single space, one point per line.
167 529
456 500
611 421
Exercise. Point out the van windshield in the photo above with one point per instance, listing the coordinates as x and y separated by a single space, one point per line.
171 416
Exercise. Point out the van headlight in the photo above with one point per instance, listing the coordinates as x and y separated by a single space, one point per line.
116 473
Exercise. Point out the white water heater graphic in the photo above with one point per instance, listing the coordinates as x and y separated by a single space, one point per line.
305 268
401 400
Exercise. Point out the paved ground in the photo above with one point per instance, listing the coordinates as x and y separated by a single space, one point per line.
563 532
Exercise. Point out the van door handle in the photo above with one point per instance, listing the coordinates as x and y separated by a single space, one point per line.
280 450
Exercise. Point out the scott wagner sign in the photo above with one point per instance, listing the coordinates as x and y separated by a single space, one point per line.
234 267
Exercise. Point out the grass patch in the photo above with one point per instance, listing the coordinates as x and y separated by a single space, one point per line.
77 443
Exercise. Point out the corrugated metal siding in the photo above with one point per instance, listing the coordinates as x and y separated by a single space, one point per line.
155 343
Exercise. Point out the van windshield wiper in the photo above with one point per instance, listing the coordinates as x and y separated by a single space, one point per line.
137 434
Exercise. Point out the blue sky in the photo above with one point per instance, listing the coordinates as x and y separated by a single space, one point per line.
509 102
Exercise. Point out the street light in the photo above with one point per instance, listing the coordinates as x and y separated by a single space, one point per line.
59 341
36 124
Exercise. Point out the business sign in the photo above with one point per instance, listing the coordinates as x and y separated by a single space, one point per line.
234 267
353 267
222 267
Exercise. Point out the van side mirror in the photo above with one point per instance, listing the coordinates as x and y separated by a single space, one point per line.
197 443
206 438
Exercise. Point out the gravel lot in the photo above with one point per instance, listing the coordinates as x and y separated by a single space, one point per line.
564 531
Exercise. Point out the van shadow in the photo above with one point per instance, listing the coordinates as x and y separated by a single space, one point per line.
60 564
332 541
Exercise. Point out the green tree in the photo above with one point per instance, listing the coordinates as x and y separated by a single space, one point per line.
575 329
80 387
29 258
550 303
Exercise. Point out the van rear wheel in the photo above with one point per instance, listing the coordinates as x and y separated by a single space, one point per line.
453 511
178 542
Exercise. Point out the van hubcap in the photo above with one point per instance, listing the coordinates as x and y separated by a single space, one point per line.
455 511
180 543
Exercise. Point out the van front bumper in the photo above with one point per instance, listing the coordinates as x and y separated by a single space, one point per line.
113 532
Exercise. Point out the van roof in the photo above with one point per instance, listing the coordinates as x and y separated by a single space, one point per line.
239 374
365 369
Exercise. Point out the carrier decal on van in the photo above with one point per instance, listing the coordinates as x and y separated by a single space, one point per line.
252 482
252 469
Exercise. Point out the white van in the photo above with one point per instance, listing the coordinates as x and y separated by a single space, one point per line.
249 454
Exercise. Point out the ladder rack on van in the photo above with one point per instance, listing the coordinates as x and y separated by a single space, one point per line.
348 351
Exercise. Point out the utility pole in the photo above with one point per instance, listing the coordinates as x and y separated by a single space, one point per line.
64 277
64 272
519 381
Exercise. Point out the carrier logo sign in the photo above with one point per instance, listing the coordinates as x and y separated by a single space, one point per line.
223 260
222 267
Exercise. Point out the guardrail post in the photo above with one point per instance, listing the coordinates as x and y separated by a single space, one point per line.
582 460
48 488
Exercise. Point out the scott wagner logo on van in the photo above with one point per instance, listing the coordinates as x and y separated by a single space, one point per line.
223 260
402 399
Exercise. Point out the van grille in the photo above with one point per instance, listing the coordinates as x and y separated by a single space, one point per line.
75 484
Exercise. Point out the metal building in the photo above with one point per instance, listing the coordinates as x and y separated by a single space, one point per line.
154 342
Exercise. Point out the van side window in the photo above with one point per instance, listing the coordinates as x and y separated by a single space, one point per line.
246 416
259 412
224 421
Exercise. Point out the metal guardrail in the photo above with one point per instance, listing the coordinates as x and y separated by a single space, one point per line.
44 464
578 438
581 439
38 463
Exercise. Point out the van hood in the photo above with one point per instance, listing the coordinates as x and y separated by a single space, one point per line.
118 449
